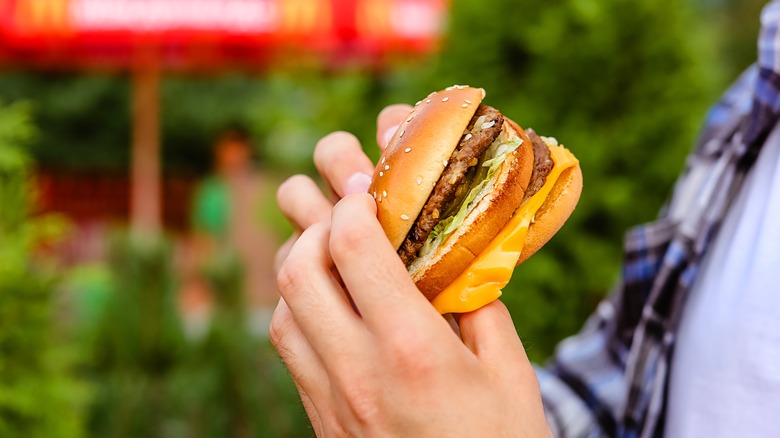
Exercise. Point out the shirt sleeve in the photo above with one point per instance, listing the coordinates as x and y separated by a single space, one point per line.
567 414
584 385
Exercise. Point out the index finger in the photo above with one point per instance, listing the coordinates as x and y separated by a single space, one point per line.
372 272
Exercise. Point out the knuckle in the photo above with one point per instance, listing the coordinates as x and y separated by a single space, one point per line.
412 356
283 252
290 275
295 272
348 240
280 328
362 400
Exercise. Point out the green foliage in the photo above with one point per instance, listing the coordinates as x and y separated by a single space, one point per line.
139 343
86 119
38 395
153 382
625 85
238 385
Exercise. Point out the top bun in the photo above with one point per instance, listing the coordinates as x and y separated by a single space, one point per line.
417 155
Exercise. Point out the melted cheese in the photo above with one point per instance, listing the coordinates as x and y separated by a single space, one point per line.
482 281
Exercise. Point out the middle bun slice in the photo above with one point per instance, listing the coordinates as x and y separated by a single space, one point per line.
458 240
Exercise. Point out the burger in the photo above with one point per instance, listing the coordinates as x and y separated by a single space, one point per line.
465 194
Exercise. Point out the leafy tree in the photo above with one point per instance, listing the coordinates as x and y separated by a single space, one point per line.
39 396
624 84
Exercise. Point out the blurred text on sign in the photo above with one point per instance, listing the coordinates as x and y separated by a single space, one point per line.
110 33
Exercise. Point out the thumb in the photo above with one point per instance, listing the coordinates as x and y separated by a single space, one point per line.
490 334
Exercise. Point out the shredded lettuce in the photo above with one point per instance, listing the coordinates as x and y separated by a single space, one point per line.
494 157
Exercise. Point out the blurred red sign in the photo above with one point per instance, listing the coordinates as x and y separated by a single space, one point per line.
211 34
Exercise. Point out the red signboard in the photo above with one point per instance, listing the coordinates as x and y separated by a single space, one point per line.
211 34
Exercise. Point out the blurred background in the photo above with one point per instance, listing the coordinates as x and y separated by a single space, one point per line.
142 141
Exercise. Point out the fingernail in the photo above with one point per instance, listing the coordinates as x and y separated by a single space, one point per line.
389 135
357 183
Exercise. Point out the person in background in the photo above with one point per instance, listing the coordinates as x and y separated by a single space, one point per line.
225 219
687 345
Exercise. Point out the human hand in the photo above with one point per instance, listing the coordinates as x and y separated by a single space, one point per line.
370 355
345 169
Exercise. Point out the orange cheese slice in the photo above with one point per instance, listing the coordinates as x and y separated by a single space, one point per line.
481 283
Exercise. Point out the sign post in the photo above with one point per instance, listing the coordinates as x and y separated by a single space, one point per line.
145 202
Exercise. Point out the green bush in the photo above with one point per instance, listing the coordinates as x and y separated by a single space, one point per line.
151 381
39 396
138 345
625 85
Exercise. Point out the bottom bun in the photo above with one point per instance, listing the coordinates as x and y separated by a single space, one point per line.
434 273
557 208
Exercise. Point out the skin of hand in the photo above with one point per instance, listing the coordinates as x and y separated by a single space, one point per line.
368 353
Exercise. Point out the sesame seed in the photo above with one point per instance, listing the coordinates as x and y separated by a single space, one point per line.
410 118
444 162
381 174
383 160
374 194
387 167
465 105
445 99
384 193
468 136
418 102
419 180
487 125
379 198
405 217
466 100
403 131
407 150
428 101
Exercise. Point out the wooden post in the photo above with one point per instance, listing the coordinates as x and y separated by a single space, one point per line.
145 197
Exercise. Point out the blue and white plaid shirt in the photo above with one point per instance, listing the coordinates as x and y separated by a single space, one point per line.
611 378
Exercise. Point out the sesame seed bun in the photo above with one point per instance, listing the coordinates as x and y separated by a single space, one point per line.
403 180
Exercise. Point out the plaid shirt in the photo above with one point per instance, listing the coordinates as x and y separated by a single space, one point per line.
611 378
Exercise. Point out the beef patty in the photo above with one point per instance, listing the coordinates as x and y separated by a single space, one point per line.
474 142
543 164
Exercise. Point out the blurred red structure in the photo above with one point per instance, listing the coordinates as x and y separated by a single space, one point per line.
104 196
149 37
198 35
